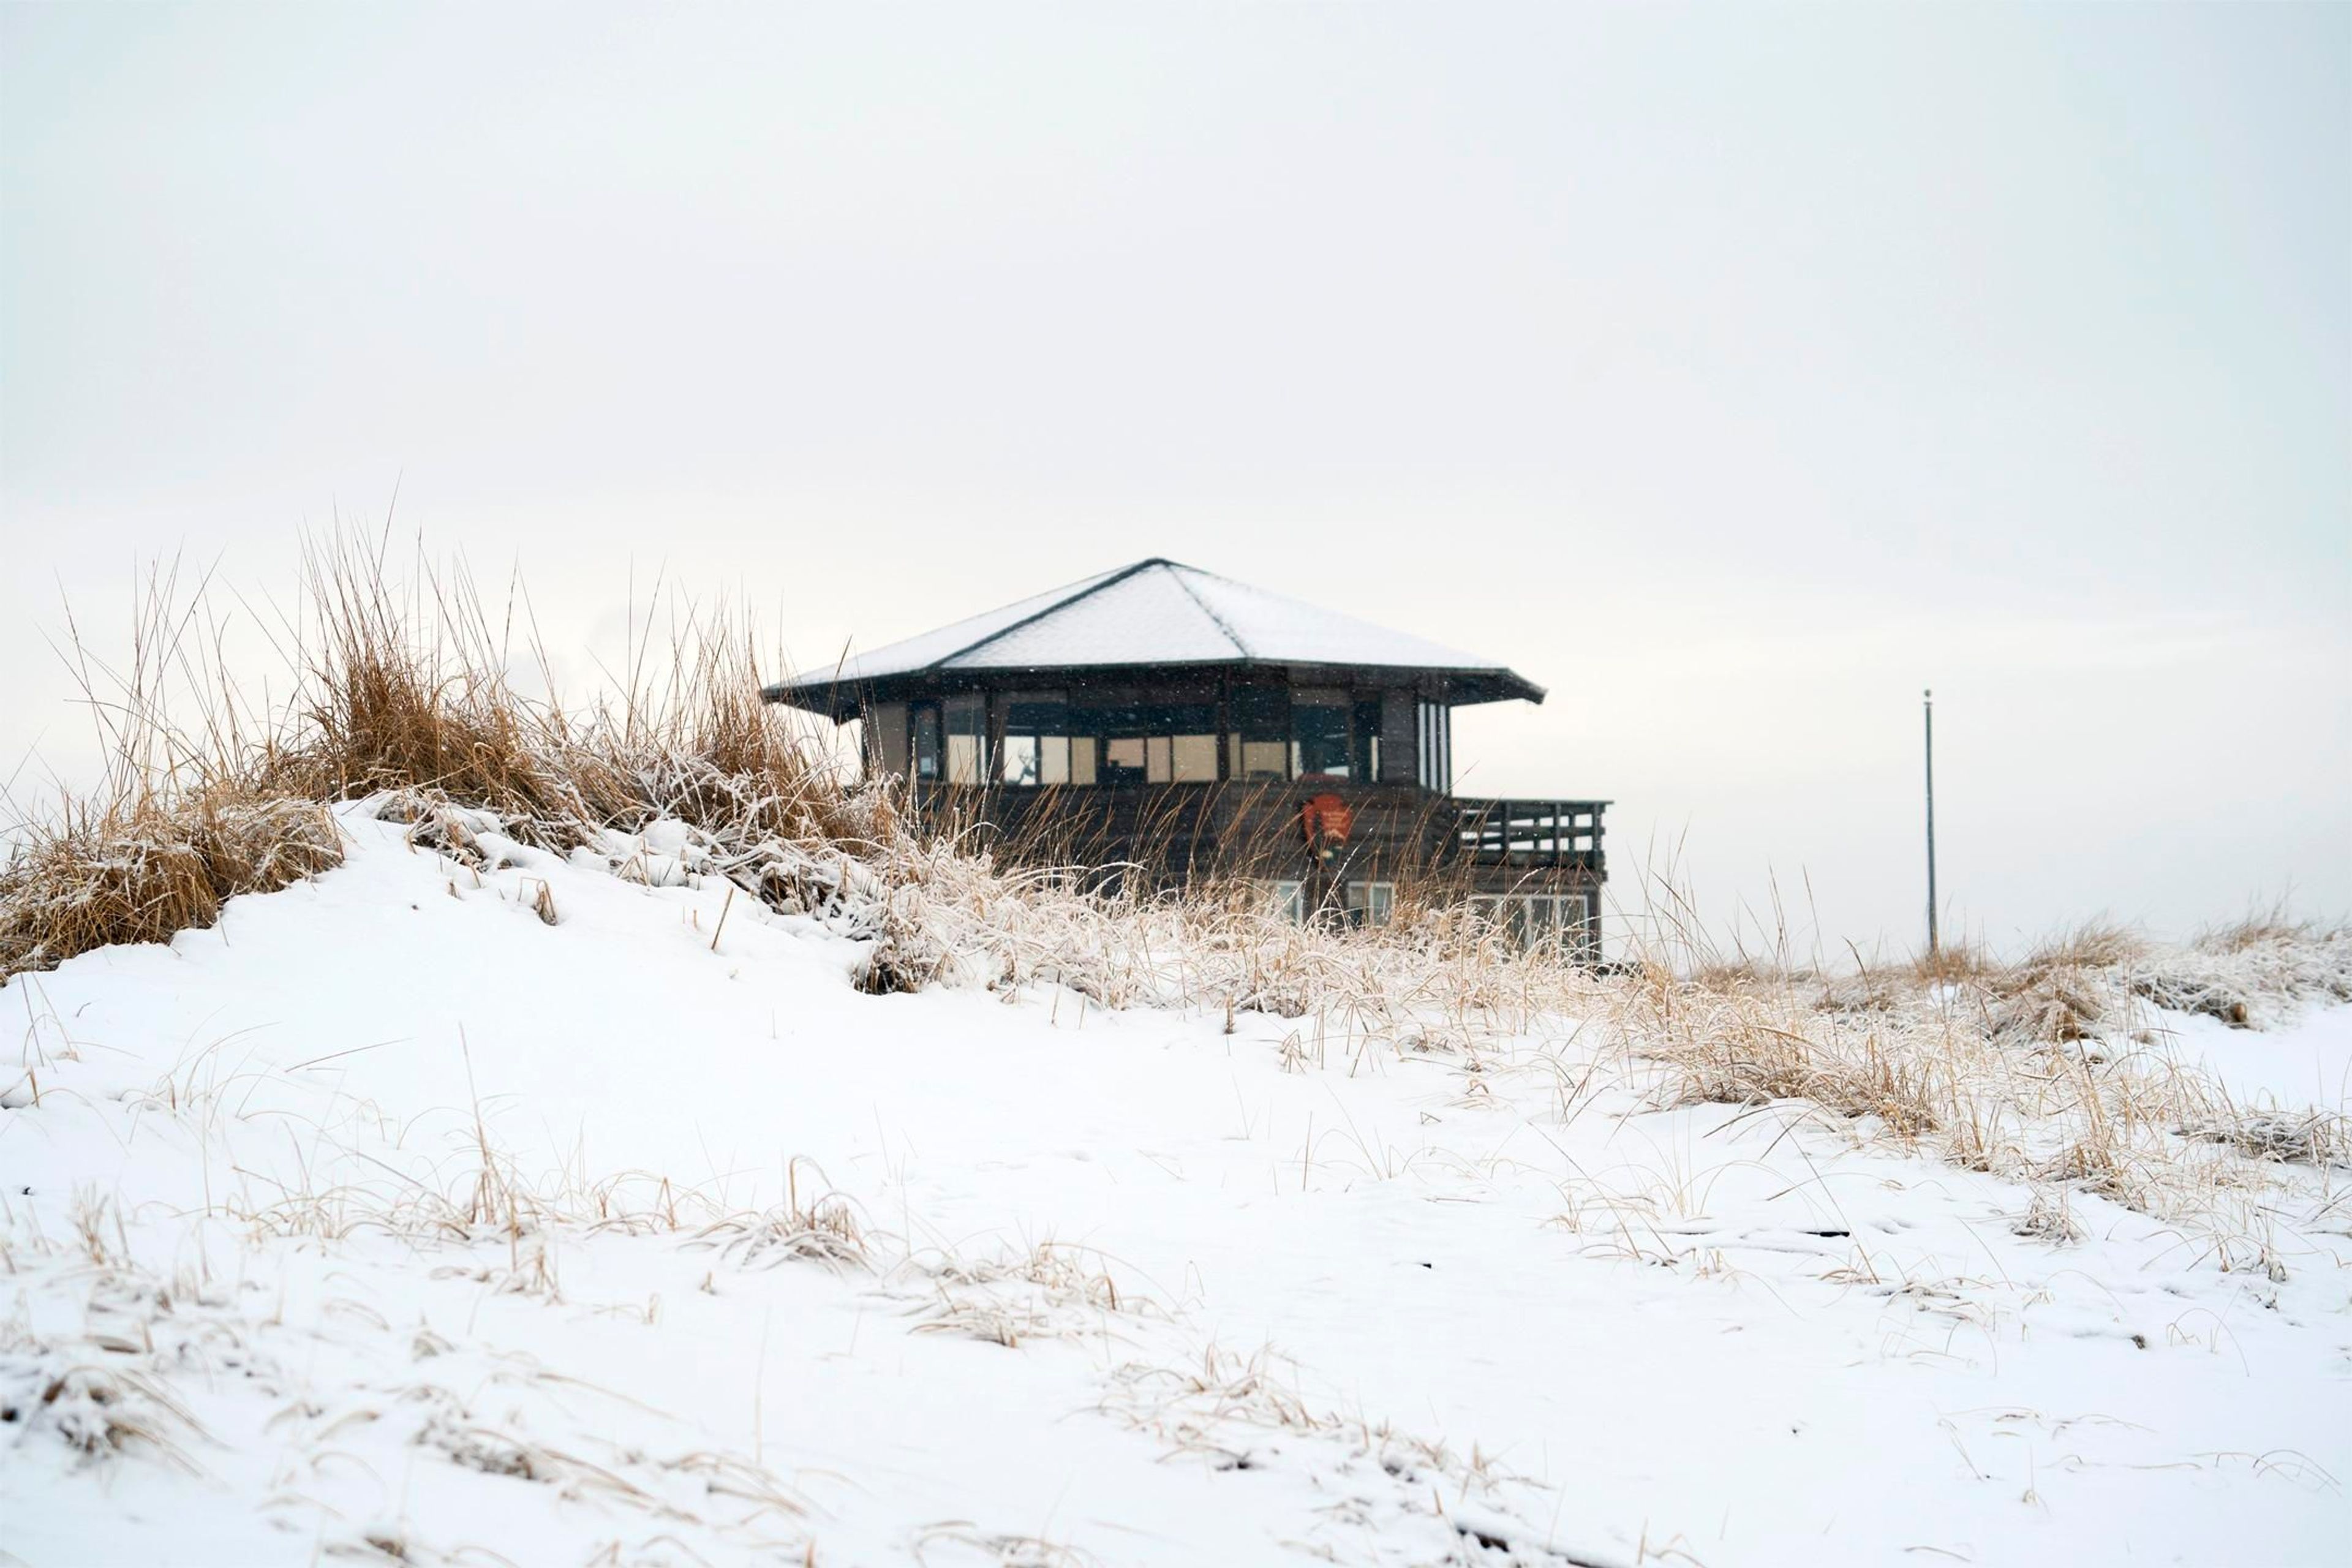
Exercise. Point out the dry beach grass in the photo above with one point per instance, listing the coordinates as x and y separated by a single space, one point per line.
2027 1067
2045 1072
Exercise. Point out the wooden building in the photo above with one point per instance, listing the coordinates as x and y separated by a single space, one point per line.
1163 716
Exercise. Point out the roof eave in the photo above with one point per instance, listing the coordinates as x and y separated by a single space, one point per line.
839 696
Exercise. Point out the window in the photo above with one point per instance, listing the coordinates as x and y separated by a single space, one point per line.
966 720
1192 759
1123 760
1530 920
926 721
1370 903
1574 923
1259 742
1319 741
1366 903
1036 749
1021 761
1156 742
1436 726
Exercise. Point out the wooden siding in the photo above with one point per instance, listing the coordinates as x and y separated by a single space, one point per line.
1179 832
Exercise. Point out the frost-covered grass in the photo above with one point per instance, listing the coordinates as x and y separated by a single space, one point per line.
630 1144
143 869
388 1217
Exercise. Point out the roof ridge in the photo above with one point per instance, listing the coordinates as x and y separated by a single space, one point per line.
1104 581
1215 619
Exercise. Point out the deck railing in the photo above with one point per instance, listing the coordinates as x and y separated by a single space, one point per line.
1530 832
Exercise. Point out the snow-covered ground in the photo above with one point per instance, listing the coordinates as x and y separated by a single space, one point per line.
2308 1062
778 1270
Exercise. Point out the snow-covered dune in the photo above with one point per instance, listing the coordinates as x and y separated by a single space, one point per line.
546 1214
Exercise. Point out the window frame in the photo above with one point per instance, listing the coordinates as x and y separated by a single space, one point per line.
964 718
1047 742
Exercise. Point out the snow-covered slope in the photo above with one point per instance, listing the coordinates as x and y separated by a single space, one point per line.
536 1216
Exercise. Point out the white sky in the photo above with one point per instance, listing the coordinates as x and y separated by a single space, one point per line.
1734 374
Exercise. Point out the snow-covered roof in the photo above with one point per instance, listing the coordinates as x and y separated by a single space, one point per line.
1154 612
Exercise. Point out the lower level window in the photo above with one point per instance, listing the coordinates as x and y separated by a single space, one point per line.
1530 920
1366 903
1370 903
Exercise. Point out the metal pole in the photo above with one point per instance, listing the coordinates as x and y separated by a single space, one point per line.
1928 706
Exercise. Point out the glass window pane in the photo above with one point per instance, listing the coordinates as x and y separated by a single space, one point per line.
1181 718
1082 760
1264 760
1021 760
1194 759
1037 713
967 726
1155 759
1261 712
1318 735
1054 764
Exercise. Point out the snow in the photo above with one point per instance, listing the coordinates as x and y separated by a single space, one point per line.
1274 1295
935 646
1155 612
1148 617
2306 1062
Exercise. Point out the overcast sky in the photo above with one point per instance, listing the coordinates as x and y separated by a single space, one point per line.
1734 373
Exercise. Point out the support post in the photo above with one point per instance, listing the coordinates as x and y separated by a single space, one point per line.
1927 706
